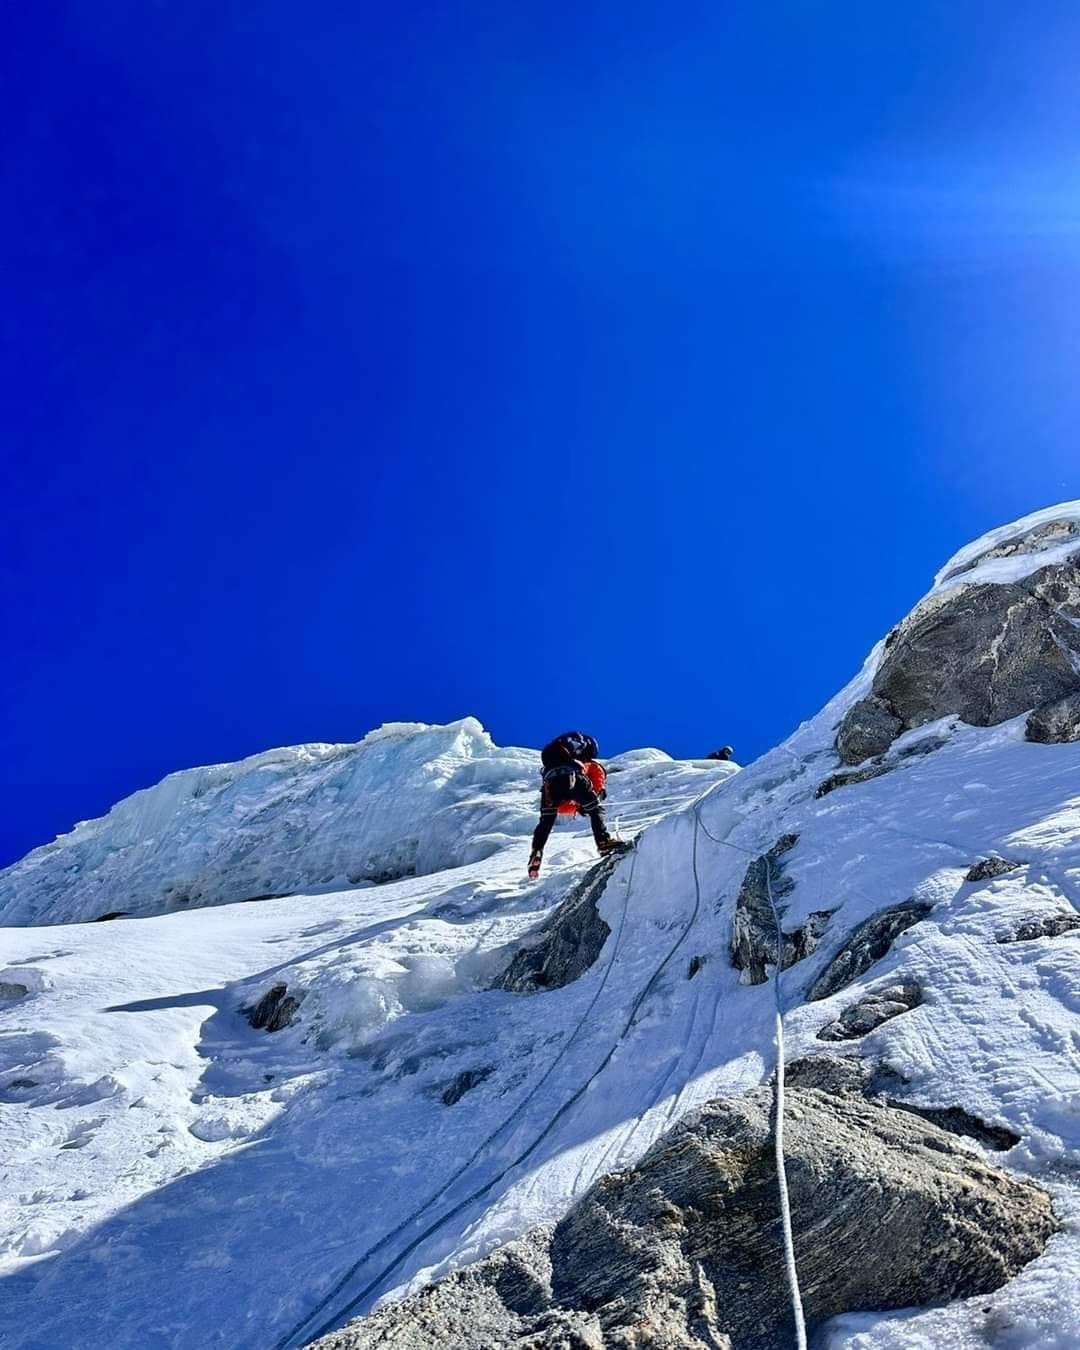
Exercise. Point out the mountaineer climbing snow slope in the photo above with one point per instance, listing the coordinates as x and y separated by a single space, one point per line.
437 1059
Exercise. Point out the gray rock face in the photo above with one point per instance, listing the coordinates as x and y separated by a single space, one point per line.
275 1010
464 1082
989 868
1056 722
868 943
496 1302
830 1073
955 1120
569 941
983 652
839 780
869 728
683 1251
851 1073
1054 925
753 930
871 1011
703 1203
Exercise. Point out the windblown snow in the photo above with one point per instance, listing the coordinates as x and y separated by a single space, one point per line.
174 1177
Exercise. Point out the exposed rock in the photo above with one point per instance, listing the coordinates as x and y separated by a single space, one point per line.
684 1251
871 1011
839 780
569 941
868 943
1053 925
829 1073
465 1082
983 652
494 1303
886 1213
1055 722
989 868
925 745
11 991
803 942
868 729
851 1073
694 965
955 1120
112 914
275 1010
753 930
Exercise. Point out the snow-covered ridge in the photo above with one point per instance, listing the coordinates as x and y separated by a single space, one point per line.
408 798
1013 551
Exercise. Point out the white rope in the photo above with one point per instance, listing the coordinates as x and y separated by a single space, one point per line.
797 1311
781 1168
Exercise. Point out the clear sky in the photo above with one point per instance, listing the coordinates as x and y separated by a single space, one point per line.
626 366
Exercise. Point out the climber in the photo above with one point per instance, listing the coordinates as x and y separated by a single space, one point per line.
571 780
725 752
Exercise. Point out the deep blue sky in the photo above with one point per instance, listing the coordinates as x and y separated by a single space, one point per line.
620 365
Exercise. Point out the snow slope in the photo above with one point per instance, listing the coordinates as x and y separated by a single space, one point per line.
174 1178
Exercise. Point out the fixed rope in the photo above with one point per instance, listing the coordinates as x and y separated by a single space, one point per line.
778 1136
797 1311
303 1326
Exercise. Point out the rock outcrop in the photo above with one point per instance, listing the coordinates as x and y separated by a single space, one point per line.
986 869
867 944
1056 722
754 941
955 1120
850 777
871 1011
684 1251
869 728
568 943
493 1303
984 652
1053 925
276 1010
464 1082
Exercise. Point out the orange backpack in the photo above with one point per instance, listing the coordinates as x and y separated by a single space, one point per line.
597 776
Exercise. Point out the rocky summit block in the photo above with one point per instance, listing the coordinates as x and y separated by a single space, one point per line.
684 1251
983 652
